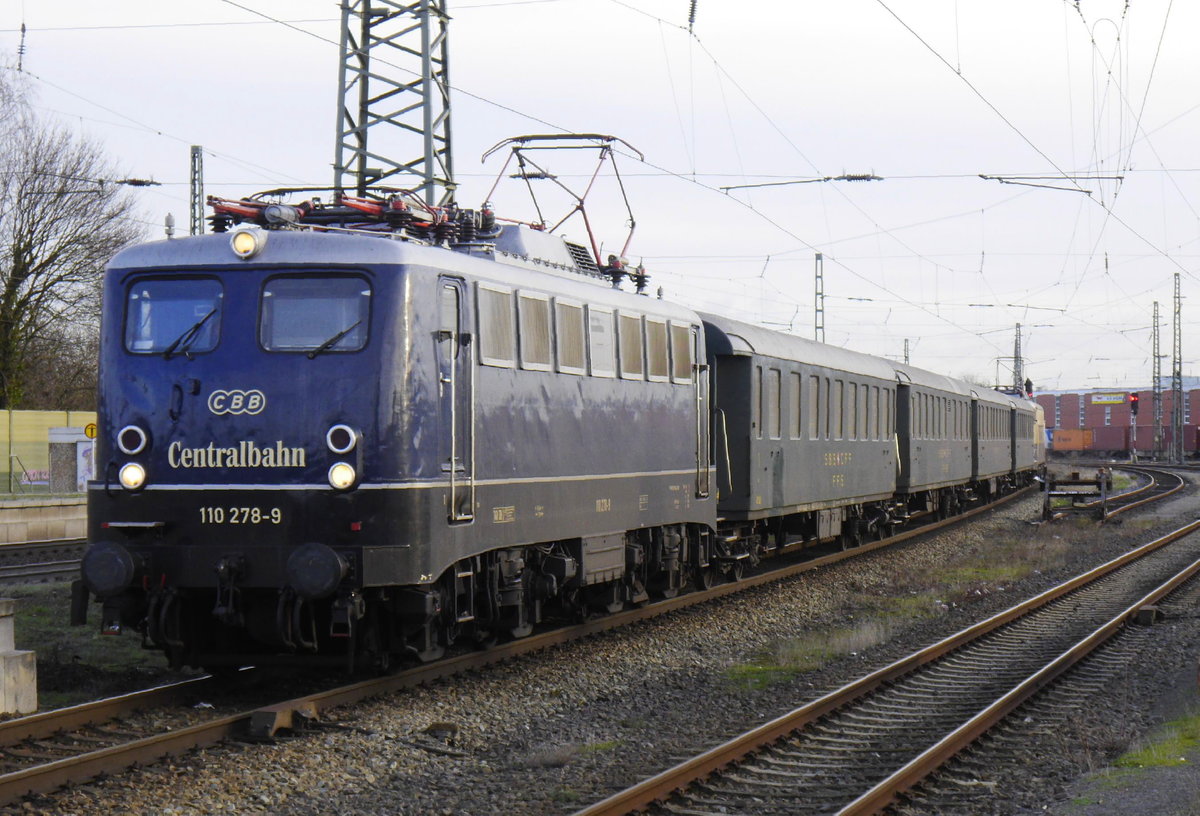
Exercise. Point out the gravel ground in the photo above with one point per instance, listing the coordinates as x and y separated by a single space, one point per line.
554 732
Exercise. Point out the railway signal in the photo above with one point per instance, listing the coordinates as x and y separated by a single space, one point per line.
1133 404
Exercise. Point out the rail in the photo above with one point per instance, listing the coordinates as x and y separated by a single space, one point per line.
657 788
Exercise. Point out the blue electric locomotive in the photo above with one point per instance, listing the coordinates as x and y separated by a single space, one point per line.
337 444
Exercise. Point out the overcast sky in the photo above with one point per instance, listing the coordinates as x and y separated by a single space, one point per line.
927 94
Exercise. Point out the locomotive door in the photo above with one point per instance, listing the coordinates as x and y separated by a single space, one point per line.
455 392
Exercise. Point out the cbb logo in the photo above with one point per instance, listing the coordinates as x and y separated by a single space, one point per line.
237 402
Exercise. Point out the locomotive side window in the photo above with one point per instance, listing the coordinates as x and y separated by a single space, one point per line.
497 334
681 353
572 355
173 315
658 363
533 316
632 365
315 314
601 346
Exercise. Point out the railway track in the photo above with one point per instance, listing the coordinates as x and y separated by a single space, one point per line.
860 747
38 562
97 738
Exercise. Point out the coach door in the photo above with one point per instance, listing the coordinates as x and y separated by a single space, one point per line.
703 420
455 389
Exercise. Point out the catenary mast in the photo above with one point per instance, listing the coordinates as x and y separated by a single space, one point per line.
394 99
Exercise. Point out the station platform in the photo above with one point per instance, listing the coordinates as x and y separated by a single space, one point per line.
42 518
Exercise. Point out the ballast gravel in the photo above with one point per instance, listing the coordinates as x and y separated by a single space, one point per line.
554 732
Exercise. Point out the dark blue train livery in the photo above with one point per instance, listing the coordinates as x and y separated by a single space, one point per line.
364 431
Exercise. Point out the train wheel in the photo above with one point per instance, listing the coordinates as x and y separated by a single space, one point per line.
705 578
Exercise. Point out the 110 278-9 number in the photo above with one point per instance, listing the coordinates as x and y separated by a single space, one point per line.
240 515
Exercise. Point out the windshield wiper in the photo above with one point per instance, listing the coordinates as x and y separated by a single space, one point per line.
332 341
183 341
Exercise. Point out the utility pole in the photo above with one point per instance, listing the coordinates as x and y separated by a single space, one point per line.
819 299
394 99
197 190
1177 381
1018 365
1157 395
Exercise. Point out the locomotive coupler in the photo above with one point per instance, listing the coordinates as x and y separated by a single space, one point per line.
345 611
228 606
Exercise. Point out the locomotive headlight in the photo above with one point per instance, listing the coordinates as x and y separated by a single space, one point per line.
132 476
131 440
247 243
341 439
342 476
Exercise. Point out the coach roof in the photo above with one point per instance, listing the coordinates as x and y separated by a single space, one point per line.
732 337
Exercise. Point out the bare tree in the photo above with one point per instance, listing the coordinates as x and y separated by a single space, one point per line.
61 219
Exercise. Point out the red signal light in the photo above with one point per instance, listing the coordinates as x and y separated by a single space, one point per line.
1133 404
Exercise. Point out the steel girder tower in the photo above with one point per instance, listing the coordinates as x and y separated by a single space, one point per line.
394 99
819 300
196 187
1018 364
1177 382
1157 397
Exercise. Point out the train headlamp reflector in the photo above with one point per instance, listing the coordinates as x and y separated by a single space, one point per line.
342 476
341 439
131 440
247 243
132 476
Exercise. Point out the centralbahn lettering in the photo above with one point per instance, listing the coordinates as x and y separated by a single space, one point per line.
245 454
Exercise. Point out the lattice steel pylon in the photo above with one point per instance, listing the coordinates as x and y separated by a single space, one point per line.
1157 396
819 299
1177 447
196 189
393 98
1018 364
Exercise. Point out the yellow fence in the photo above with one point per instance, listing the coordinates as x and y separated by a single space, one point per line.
25 445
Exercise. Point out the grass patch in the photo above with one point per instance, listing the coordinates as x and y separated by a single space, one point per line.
599 747
784 659
989 574
76 663
1171 744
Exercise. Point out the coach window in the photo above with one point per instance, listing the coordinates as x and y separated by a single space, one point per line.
568 324
497 329
602 347
681 353
852 412
630 339
658 363
533 330
774 409
837 409
827 406
794 405
180 315
814 407
864 428
315 314
873 417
